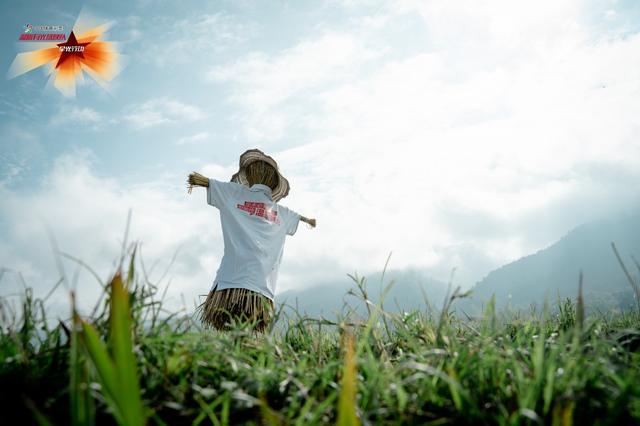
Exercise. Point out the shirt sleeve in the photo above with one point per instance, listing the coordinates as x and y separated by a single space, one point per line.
290 220
219 193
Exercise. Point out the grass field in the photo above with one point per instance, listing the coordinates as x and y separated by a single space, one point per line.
132 363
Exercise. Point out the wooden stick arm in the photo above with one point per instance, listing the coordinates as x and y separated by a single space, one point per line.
311 222
196 179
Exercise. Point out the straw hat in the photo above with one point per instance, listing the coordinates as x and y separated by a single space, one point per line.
282 188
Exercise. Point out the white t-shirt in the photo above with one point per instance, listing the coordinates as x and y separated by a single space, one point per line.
254 229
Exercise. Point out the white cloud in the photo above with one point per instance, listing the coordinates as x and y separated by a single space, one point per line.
501 112
20 151
78 117
264 84
195 138
194 40
266 81
87 215
161 111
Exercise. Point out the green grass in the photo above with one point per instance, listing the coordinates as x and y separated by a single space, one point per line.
132 363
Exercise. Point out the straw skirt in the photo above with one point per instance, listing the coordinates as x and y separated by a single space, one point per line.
223 307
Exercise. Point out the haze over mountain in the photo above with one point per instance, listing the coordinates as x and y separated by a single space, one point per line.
555 270
546 274
409 291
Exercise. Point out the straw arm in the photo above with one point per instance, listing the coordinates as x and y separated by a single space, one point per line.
196 179
311 222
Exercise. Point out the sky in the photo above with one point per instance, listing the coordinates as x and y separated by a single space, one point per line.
448 134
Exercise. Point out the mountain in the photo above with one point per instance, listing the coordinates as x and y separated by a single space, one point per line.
555 270
410 287
544 275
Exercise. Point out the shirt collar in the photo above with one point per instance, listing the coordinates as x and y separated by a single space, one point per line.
261 188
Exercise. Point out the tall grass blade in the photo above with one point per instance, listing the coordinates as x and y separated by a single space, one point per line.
634 286
347 400
38 416
453 388
580 306
270 417
104 367
82 407
123 356
116 365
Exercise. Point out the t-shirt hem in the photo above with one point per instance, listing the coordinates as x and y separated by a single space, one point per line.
223 285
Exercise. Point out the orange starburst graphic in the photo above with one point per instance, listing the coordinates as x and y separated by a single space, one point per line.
65 62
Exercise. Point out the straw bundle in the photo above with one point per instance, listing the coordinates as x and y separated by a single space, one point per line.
196 179
262 172
236 304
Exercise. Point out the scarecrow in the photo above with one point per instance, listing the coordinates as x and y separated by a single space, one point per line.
254 227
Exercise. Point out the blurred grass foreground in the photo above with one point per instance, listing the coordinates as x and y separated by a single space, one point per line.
129 363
